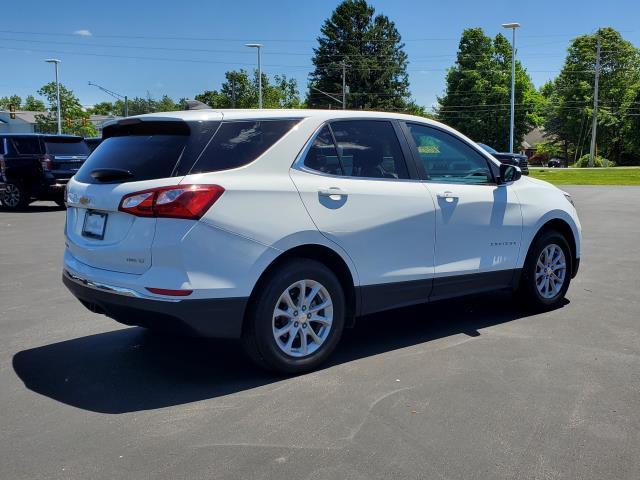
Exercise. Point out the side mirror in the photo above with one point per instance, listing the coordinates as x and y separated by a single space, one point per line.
509 173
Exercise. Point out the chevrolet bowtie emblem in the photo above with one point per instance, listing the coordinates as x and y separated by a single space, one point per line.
85 200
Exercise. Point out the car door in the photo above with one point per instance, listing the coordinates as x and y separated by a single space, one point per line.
355 183
478 221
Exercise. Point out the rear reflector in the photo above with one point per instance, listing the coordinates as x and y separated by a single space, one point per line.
173 293
180 201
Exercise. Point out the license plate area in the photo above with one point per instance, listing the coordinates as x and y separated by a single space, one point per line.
94 225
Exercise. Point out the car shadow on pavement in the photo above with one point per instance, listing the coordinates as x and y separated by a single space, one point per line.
35 209
132 369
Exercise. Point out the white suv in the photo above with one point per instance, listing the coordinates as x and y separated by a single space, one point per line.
280 227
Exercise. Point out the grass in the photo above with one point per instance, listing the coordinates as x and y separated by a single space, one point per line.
588 176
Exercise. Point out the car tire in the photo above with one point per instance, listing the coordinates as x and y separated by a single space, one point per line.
277 306
547 272
15 197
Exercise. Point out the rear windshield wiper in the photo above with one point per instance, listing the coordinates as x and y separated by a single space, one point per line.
106 175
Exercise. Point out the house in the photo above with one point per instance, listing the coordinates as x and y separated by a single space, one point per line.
532 139
25 121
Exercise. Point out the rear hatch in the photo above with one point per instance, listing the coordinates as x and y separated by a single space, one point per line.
137 154
67 154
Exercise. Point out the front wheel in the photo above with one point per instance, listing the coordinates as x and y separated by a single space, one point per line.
296 317
547 272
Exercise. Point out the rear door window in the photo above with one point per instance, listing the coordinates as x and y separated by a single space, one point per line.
369 149
27 145
239 143
323 155
66 146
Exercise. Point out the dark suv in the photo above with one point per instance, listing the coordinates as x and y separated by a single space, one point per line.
516 159
38 167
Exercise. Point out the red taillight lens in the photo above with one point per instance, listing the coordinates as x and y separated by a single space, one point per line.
181 201
172 293
46 163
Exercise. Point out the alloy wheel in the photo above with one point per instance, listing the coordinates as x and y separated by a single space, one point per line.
302 318
551 271
11 197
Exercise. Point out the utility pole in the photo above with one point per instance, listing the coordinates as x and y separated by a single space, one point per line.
233 90
344 85
594 127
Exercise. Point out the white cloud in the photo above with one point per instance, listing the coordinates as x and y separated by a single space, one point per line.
83 33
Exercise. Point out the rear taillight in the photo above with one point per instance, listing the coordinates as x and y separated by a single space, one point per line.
180 201
46 163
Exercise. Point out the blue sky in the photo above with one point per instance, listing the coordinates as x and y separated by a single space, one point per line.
288 29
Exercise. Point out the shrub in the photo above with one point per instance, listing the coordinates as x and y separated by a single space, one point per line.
598 161
628 159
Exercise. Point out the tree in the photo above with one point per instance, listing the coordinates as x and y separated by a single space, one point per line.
33 104
103 108
569 111
478 93
75 120
6 102
240 91
371 49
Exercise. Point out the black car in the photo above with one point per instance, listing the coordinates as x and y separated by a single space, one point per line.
38 167
516 159
557 162
93 142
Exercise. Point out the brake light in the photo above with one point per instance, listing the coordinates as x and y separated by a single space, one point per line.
181 201
46 163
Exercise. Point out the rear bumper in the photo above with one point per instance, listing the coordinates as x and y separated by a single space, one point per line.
218 318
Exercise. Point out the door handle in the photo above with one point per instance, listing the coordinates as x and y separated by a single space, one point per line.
329 192
448 196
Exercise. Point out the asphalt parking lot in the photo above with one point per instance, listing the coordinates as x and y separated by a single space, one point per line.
457 390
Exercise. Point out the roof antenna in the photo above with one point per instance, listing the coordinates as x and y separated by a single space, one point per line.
195 105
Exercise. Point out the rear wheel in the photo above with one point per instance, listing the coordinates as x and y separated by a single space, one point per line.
15 197
296 318
547 271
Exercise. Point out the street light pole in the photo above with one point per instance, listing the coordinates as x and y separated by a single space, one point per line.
55 61
258 46
513 27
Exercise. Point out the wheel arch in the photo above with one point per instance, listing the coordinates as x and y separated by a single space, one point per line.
328 257
564 228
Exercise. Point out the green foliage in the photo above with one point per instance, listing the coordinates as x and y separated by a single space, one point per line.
598 162
549 149
103 108
33 104
478 94
5 102
241 91
569 98
75 120
376 64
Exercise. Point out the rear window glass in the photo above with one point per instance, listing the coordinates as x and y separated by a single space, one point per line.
27 145
148 150
238 143
60 146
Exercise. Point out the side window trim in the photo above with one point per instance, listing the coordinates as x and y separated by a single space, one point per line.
416 154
